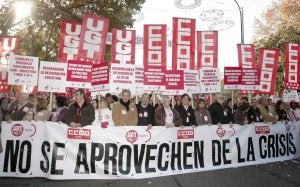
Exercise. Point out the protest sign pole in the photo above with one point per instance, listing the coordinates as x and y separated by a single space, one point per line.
99 97
173 101
50 102
154 99
232 100
192 100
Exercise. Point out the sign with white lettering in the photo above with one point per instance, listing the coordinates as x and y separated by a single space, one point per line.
183 49
292 67
232 78
79 74
69 41
246 55
123 46
93 38
268 63
155 41
207 42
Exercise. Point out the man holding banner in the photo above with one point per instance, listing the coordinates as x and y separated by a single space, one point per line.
166 116
219 114
81 113
268 112
186 112
124 112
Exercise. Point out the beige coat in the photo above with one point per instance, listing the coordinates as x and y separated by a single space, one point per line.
122 117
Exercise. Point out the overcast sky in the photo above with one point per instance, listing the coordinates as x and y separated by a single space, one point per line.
162 11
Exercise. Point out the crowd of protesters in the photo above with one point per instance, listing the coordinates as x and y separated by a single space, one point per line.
110 110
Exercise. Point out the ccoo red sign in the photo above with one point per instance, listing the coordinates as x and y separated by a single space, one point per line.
262 130
77 133
185 134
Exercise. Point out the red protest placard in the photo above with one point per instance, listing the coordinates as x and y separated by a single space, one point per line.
246 55
232 78
174 81
268 63
154 78
250 79
292 68
8 44
183 49
79 74
155 45
207 42
123 46
93 38
100 77
4 87
68 41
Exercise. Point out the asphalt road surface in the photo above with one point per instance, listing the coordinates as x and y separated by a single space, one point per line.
281 174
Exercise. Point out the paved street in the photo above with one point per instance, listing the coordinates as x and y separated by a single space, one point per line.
273 174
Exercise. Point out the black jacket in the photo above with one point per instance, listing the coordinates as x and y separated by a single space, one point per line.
187 116
86 115
254 115
216 111
142 119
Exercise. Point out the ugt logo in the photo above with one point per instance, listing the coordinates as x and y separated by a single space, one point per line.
17 130
132 136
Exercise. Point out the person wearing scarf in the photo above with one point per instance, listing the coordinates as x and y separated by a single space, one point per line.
124 113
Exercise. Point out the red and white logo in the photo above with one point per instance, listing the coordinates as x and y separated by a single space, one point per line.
82 134
17 130
132 136
185 134
221 132
262 130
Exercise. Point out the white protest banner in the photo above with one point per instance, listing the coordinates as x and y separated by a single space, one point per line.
52 77
290 95
210 80
23 70
232 78
139 79
191 82
56 151
79 74
100 77
122 77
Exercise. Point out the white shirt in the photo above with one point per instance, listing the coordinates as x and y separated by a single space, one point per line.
106 116
96 121
169 115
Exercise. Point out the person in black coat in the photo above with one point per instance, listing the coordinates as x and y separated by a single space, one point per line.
145 112
187 113
254 114
218 114
280 109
